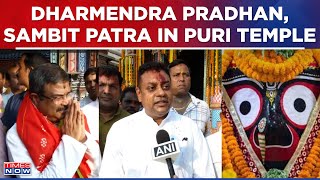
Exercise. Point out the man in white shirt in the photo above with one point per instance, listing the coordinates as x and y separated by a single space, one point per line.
51 132
129 144
90 80
185 103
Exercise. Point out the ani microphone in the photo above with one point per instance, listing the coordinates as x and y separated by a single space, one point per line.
166 151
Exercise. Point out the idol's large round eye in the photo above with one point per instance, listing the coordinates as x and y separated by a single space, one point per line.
297 102
248 104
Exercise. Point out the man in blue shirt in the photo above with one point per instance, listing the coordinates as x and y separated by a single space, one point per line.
27 63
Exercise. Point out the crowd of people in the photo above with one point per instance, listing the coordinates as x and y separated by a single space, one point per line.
110 132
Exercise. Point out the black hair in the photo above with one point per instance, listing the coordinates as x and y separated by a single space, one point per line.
33 60
177 62
110 70
150 66
126 90
46 74
91 70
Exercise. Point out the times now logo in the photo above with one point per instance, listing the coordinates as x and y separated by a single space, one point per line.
16 168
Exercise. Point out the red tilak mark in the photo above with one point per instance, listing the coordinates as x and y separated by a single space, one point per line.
161 78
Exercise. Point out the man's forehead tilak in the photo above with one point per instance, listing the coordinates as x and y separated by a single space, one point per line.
159 76
162 78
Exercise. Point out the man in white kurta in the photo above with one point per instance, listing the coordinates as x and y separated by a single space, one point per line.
65 159
51 131
128 151
129 144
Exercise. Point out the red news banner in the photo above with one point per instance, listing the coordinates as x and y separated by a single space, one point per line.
85 24
101 24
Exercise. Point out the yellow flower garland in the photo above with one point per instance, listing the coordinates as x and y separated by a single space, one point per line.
226 60
274 69
311 167
271 68
226 161
232 156
265 71
316 55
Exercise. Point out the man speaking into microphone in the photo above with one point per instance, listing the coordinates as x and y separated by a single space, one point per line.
155 142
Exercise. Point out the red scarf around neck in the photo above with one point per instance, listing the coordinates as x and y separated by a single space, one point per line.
41 137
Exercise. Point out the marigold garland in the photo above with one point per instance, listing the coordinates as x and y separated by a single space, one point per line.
265 71
311 167
232 156
226 60
226 162
270 67
316 55
229 173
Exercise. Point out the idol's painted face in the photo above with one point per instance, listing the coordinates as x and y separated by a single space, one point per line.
279 112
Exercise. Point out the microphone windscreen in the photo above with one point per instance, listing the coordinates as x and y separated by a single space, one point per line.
162 136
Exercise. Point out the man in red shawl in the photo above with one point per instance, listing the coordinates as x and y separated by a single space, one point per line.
51 132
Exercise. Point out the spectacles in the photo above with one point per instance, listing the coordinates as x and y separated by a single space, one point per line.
59 99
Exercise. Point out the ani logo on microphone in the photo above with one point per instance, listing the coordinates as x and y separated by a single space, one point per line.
17 168
164 150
